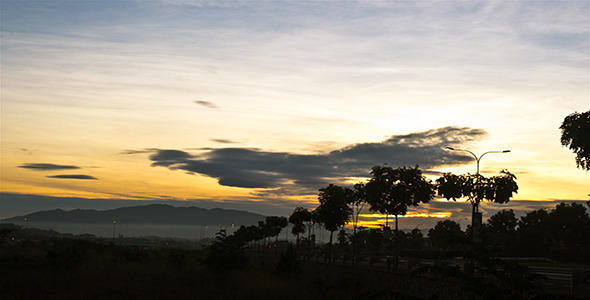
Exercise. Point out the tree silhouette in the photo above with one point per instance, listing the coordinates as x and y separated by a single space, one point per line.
298 218
333 211
532 232
415 238
274 225
570 223
392 191
477 188
447 234
226 252
575 133
357 200
501 228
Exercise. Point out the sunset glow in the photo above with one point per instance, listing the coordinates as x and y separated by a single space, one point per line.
256 105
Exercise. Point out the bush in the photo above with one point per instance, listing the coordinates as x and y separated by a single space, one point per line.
225 253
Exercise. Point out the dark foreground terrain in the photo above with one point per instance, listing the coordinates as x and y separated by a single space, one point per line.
58 267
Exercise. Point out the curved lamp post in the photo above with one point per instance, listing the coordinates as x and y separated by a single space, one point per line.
476 219
477 159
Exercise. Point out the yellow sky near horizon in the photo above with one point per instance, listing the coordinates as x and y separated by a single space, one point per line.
106 88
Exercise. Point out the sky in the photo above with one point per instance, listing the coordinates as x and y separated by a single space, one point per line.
258 104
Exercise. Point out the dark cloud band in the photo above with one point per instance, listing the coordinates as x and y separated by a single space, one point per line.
75 176
255 168
47 167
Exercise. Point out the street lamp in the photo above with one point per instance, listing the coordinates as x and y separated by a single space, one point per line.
114 227
477 159
476 219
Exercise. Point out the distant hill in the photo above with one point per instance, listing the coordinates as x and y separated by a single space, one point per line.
161 214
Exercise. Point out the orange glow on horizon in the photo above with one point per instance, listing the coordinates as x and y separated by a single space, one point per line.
379 220
411 215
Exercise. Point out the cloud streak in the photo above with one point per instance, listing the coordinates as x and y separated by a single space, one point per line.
206 104
256 168
224 141
74 176
47 167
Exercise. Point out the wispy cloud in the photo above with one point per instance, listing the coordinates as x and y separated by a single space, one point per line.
206 104
224 141
74 176
255 168
47 167
136 151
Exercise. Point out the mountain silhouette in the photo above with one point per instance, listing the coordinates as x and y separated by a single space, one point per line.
146 214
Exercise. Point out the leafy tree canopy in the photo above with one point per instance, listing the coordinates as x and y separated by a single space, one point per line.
476 188
298 218
575 134
446 233
392 191
503 222
570 223
333 211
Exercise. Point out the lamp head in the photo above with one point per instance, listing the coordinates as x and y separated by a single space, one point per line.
450 148
505 151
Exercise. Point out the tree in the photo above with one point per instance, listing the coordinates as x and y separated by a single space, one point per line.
477 188
446 233
333 211
392 191
226 252
532 231
358 200
274 225
575 134
503 222
501 228
298 218
415 238
570 223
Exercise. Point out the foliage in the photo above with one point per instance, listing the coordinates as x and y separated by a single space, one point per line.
368 240
274 225
497 279
447 234
477 188
503 222
532 231
358 200
510 280
570 223
415 239
289 264
575 134
500 229
333 211
298 218
392 191
342 238
226 253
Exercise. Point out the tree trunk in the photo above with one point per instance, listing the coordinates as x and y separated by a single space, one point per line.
330 254
396 249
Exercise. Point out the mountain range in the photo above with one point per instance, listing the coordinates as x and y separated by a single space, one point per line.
160 214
